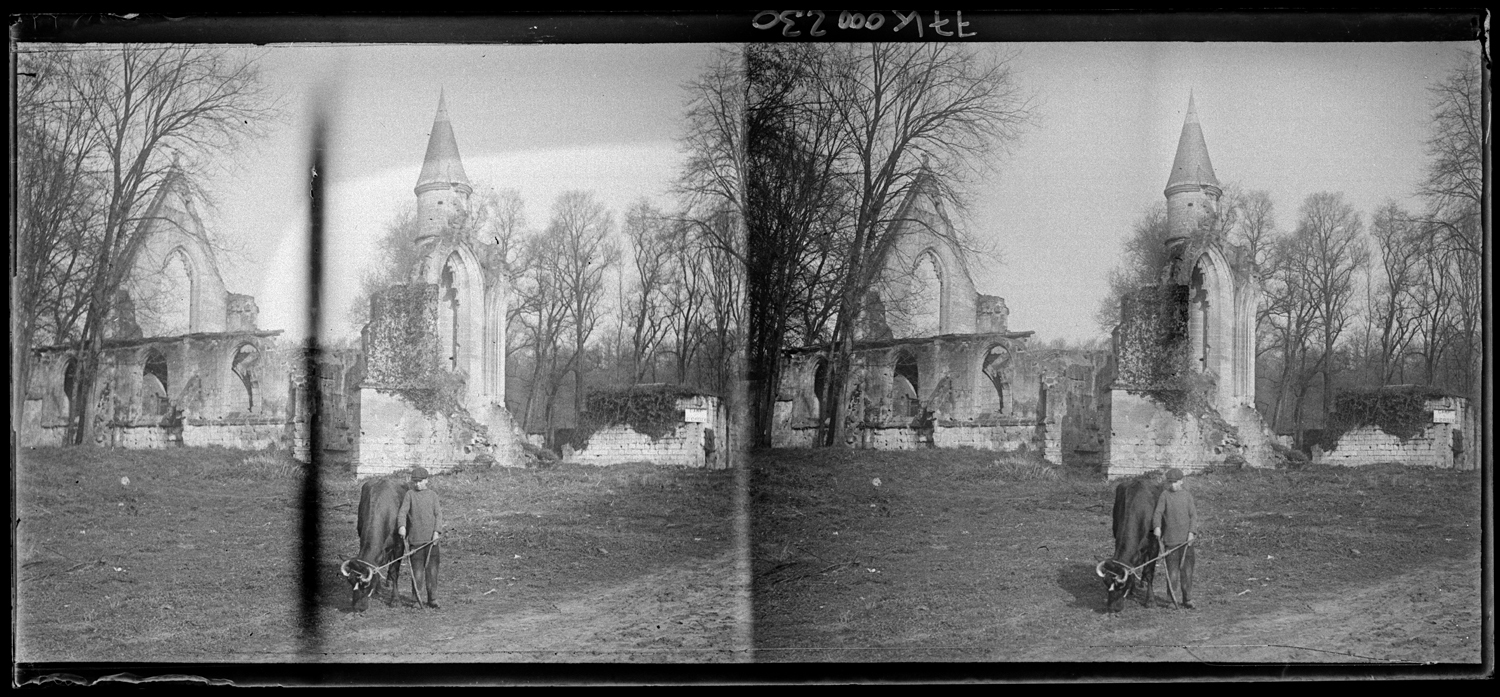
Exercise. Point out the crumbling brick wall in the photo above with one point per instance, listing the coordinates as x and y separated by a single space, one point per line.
621 444
705 421
1432 447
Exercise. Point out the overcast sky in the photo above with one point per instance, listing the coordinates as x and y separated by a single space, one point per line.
1294 119
539 119
1290 118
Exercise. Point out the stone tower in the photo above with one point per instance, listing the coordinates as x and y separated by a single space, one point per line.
1193 335
1192 190
443 189
434 387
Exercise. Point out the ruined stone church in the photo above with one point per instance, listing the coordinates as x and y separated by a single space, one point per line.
937 366
185 364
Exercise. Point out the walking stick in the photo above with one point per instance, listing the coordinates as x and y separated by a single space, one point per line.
411 571
1171 593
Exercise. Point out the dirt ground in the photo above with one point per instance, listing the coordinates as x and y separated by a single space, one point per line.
194 560
953 557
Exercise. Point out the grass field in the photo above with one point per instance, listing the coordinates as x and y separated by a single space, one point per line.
194 559
958 555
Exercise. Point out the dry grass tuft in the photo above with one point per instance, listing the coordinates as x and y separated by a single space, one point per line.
1026 468
273 464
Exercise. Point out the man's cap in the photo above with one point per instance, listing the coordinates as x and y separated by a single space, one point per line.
420 473
1173 474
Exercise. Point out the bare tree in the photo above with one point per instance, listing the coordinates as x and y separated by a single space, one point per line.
56 214
583 229
643 311
1454 187
687 293
541 314
715 136
1143 255
1454 193
1467 326
499 219
911 120
1254 223
1447 302
398 258
725 303
153 116
1293 322
1393 311
714 188
1332 238
790 202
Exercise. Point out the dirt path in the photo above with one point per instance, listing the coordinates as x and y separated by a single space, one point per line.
690 612
950 560
1430 616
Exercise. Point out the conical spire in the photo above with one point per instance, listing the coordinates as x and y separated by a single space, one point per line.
1191 169
443 167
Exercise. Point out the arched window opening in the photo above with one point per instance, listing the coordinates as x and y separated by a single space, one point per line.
926 296
174 295
455 307
996 366
448 318
1198 320
243 366
905 387
820 383
1205 318
155 400
70 383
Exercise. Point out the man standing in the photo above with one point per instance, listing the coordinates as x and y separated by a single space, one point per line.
421 516
1176 523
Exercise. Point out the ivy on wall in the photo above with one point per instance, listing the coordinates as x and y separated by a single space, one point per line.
403 337
1153 343
650 410
445 396
1399 411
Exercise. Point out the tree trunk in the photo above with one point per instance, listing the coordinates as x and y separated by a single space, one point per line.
578 405
1327 383
91 350
531 392
840 364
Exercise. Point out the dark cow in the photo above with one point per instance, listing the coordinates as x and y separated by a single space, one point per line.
1135 502
379 502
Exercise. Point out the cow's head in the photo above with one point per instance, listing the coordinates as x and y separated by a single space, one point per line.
1118 581
362 577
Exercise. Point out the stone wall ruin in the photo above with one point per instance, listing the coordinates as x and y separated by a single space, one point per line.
701 439
1448 441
